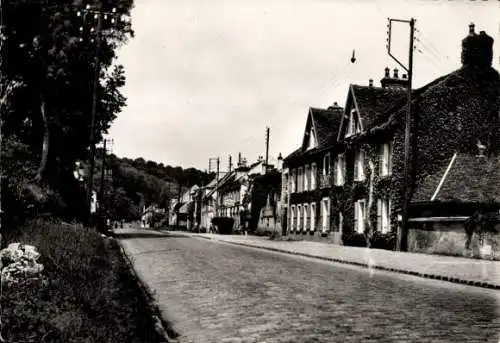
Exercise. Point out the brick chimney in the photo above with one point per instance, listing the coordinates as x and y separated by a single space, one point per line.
334 106
393 82
477 49
370 83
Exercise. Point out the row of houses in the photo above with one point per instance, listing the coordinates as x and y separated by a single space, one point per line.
249 194
344 182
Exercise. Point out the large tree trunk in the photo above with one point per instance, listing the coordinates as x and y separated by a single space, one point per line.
45 142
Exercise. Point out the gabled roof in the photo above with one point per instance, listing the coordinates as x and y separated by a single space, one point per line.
371 104
442 89
466 178
325 124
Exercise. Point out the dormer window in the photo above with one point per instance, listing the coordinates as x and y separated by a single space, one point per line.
311 140
353 126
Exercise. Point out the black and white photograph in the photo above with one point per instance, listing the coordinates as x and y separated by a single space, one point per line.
249 171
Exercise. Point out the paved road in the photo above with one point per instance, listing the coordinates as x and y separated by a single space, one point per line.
216 292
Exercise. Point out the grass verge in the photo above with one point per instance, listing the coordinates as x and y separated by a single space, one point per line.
87 293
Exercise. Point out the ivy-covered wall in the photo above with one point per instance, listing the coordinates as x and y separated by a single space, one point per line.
344 197
308 197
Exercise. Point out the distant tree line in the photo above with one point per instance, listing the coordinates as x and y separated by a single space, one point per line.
137 183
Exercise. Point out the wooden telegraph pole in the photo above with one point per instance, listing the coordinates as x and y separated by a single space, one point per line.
402 237
267 149
96 26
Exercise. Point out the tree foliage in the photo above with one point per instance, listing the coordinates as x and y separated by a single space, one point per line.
46 117
138 183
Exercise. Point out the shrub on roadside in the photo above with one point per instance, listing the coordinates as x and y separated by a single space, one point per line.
224 225
353 239
86 294
385 241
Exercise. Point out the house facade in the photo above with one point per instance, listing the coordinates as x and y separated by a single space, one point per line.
449 116
362 192
181 211
233 193
266 216
148 213
207 200
308 176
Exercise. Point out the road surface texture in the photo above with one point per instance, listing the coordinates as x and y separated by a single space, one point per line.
217 292
483 273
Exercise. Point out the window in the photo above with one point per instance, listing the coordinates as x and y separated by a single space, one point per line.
386 159
340 170
326 164
383 215
325 215
300 180
313 176
307 217
311 140
307 178
313 216
293 181
353 126
359 166
299 218
359 216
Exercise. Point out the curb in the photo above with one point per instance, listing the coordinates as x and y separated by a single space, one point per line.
161 326
473 283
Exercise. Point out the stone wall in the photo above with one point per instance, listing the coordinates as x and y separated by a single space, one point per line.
450 239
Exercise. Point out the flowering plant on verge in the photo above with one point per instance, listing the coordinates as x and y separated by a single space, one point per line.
18 262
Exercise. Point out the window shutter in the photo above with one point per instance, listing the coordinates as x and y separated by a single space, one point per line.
379 214
356 165
335 171
386 158
313 176
320 219
328 214
356 216
341 222
361 164
389 159
313 216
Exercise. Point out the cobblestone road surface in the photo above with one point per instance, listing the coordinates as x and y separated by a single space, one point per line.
216 292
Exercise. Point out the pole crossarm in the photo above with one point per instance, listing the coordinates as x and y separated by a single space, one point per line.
402 239
389 40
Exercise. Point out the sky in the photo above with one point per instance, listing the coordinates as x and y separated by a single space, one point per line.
205 78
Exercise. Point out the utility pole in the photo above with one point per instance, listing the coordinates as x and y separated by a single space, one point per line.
103 174
101 195
98 15
2 89
179 185
217 187
267 149
402 239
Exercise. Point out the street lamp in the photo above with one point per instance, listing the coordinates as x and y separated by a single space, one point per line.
94 22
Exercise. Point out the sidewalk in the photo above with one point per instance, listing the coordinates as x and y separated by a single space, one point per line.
479 273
